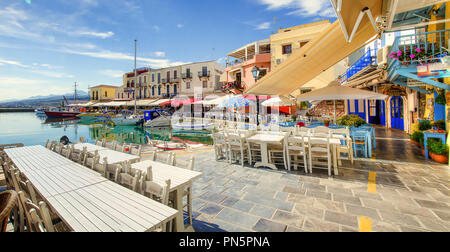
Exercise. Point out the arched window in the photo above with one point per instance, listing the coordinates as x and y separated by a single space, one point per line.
153 91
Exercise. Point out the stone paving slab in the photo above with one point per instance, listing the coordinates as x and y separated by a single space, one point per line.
409 198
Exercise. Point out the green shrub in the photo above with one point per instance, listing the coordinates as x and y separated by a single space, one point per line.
439 124
437 147
351 120
424 125
440 99
418 137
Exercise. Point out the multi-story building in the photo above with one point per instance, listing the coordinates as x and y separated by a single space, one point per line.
126 91
287 41
240 63
164 82
201 77
102 93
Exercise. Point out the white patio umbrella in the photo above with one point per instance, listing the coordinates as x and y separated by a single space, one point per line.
335 92
278 102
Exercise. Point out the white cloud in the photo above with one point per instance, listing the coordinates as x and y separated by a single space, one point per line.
13 63
105 54
306 8
102 35
179 26
160 54
156 28
263 26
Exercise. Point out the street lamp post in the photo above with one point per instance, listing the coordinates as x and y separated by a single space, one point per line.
256 71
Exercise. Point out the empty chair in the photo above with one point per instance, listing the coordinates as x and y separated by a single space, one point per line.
237 148
295 152
78 156
111 145
91 159
120 147
155 191
346 146
8 201
58 148
48 144
169 159
137 151
321 130
220 146
188 191
38 216
360 142
319 149
108 171
128 177
66 152
100 143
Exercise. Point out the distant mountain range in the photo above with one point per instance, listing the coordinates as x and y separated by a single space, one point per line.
49 100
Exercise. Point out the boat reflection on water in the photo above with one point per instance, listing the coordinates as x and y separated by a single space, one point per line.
138 135
60 122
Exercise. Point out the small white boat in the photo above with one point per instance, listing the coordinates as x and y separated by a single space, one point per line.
40 112
157 118
127 121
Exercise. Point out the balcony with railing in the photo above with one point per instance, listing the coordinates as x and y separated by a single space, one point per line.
186 75
164 81
423 57
368 59
175 80
202 74
420 49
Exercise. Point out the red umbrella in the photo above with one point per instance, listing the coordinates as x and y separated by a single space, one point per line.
178 102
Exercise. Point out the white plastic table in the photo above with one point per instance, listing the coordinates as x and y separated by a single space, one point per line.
264 140
180 178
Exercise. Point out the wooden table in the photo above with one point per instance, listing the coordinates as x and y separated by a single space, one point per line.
180 178
116 157
85 200
89 147
264 140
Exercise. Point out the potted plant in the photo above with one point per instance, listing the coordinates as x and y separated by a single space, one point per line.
417 138
439 126
438 151
351 120
327 123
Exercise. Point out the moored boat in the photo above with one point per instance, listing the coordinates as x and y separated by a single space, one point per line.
95 117
59 114
127 121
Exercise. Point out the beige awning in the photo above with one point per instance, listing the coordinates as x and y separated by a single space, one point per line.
144 102
214 100
310 61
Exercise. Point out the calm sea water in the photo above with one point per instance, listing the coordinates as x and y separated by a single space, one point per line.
29 129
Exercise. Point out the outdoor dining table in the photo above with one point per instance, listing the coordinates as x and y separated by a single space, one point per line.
83 199
116 157
180 178
264 140
89 147
335 141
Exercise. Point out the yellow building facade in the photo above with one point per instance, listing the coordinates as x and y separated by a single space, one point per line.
102 93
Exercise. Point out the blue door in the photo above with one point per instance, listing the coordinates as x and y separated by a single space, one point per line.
382 110
377 113
397 113
359 109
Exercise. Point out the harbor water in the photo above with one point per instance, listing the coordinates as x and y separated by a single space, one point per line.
29 129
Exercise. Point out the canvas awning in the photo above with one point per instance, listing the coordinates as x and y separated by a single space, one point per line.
278 102
214 101
316 57
158 102
145 102
335 92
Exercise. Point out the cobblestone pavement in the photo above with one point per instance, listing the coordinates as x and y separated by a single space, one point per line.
376 196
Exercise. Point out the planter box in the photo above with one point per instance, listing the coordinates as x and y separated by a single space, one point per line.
442 159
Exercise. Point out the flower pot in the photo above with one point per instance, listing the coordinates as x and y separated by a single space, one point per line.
442 159
423 152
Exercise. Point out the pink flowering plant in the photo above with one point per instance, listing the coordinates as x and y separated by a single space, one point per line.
407 54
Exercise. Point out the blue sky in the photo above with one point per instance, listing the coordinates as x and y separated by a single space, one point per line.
47 45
